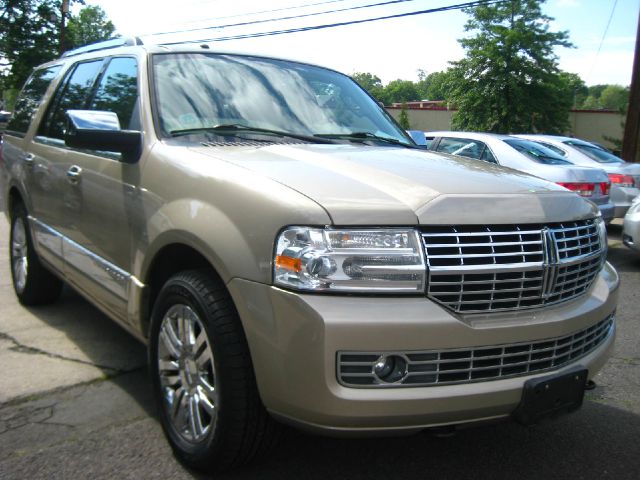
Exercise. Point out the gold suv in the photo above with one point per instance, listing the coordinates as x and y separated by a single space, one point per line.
289 255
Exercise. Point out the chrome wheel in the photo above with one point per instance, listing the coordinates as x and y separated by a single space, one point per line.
19 258
187 374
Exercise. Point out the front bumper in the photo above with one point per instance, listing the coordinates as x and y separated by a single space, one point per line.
294 339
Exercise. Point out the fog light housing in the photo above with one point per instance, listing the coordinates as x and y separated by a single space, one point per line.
390 368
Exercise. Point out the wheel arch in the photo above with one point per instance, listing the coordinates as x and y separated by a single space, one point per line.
14 197
163 266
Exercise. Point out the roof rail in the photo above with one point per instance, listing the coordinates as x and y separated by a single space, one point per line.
113 43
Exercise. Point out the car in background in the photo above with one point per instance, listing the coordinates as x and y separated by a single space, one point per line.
419 138
530 157
624 176
631 226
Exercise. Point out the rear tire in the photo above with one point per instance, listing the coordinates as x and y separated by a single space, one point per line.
203 377
32 282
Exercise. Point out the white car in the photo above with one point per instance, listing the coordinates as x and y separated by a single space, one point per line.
529 157
624 176
631 228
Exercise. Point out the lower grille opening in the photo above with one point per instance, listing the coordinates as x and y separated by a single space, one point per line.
445 367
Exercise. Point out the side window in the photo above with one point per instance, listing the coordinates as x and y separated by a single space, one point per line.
428 141
72 95
557 150
461 146
487 156
118 91
30 99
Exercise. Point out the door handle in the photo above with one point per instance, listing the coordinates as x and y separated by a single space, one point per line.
28 158
73 174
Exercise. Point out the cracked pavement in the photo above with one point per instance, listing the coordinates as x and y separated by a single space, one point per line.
75 402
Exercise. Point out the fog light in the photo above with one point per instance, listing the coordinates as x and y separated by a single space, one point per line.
390 369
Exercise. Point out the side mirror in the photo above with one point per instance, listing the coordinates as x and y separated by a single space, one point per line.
100 130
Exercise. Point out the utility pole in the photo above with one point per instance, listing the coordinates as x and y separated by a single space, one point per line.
64 10
631 140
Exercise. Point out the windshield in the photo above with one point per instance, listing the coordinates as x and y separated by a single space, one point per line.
197 92
536 152
595 153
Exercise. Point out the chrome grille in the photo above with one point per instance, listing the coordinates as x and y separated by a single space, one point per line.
445 367
509 267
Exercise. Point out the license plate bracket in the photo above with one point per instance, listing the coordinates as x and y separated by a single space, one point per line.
549 396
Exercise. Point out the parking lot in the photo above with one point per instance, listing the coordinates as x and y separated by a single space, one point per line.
75 403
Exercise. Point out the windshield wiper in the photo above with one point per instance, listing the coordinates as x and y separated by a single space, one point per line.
234 128
363 136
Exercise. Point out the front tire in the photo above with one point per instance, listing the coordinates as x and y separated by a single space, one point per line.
32 282
203 378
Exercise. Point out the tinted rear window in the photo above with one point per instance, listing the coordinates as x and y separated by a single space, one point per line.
536 152
595 153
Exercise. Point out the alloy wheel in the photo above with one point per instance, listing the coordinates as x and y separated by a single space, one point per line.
19 258
187 374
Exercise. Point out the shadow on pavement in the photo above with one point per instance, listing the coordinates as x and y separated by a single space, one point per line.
597 442
98 341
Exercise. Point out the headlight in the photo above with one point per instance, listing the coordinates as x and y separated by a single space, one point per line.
315 259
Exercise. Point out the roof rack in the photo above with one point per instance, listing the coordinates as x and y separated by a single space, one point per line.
107 44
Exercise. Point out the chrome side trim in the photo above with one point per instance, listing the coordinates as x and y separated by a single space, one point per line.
111 277
47 238
71 254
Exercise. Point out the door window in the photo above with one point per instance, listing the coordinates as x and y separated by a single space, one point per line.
118 91
72 95
30 99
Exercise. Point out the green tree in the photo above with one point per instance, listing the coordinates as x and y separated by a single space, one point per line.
615 97
403 119
371 83
591 103
596 90
509 80
89 26
397 91
574 87
437 85
28 37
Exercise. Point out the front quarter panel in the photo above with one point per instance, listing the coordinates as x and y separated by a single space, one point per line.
228 214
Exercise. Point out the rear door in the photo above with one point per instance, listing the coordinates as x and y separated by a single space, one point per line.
19 158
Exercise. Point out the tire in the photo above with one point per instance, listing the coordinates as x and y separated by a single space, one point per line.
32 282
203 377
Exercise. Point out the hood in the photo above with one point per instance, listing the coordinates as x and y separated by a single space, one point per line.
360 185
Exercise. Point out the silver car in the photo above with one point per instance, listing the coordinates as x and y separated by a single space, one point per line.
529 157
624 176
631 229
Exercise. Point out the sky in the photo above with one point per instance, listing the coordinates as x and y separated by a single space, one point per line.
603 32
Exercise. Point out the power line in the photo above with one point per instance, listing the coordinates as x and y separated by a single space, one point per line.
295 7
604 34
459 6
292 17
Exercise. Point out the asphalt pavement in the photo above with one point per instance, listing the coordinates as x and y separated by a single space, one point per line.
75 403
